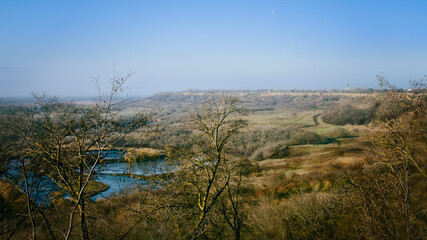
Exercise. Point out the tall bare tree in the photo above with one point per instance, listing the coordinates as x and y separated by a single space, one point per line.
208 168
400 142
21 167
67 143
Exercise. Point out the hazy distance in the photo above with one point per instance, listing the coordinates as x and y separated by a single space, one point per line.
57 46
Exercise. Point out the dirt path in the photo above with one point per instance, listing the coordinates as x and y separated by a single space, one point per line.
315 120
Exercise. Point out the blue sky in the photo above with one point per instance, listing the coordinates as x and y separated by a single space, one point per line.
57 46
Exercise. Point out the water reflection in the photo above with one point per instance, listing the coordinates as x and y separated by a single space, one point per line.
145 168
114 172
117 183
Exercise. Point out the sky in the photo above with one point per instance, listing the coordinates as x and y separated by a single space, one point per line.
59 46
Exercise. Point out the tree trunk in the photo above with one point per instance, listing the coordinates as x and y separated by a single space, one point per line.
83 221
199 225
237 230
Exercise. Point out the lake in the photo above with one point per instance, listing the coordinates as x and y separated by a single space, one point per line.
117 183
112 172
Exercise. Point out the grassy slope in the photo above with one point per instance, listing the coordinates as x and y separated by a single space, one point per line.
308 168
306 164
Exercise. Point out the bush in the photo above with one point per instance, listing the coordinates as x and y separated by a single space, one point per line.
263 140
141 154
277 150
339 132
306 216
277 147
306 137
347 114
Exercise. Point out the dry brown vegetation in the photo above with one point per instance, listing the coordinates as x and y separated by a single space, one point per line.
307 166
141 154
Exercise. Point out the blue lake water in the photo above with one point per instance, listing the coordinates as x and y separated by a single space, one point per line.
148 167
117 183
105 169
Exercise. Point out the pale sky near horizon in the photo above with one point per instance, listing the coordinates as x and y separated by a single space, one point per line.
56 46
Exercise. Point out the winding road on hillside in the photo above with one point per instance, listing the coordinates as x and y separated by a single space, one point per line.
315 119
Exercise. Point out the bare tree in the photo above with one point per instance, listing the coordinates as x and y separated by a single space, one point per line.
67 142
20 167
208 168
232 202
401 133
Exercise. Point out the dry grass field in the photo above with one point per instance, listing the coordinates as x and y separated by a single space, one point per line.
303 168
311 167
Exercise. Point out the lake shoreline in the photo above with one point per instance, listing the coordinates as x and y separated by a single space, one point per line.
141 177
